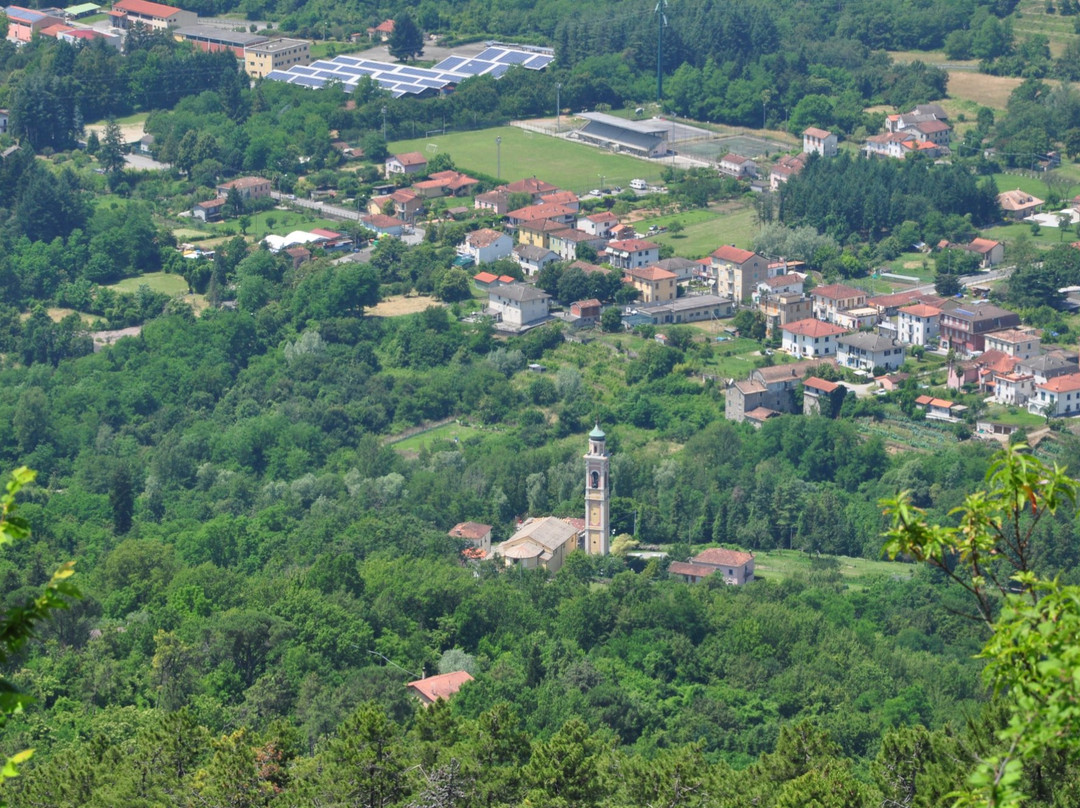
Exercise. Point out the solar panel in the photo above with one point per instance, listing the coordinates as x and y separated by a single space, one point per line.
407 79
450 63
473 67
514 57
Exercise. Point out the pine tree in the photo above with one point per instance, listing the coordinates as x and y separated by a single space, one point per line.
407 41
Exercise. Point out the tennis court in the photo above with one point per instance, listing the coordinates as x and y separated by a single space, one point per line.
746 145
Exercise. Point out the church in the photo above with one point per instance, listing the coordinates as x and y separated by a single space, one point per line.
546 541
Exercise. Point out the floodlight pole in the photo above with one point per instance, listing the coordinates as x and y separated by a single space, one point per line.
498 157
661 20
558 107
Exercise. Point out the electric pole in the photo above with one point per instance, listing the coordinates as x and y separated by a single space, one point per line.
661 20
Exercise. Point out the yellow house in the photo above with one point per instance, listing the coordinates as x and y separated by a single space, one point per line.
538 232
275 54
656 285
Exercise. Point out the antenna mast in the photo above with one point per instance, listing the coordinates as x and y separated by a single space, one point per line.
661 18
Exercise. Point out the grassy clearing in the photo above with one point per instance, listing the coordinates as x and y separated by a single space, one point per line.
1047 237
700 238
1031 18
987 91
163 282
1013 415
911 264
780 564
1031 185
572 166
448 432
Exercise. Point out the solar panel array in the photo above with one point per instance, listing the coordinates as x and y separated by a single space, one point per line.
496 60
402 80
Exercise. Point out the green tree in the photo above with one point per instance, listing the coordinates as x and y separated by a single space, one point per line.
565 771
407 40
111 153
364 763
611 319
1034 648
19 620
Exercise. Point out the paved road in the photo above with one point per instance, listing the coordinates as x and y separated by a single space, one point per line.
973 280
338 212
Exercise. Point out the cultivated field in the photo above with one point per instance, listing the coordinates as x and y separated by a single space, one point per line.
571 166
400 304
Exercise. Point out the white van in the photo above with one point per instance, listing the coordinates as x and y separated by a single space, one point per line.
639 185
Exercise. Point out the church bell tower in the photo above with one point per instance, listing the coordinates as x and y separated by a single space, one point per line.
597 496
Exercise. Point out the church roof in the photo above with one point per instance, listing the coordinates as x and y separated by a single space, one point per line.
597 433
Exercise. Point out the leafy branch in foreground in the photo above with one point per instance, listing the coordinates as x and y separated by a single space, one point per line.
1033 654
18 621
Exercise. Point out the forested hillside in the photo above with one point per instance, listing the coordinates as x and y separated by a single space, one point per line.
261 541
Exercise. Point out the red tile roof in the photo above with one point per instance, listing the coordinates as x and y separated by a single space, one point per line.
632 245
145 8
484 237
784 280
531 185
732 254
689 568
722 557
982 245
820 384
442 686
485 277
651 274
545 210
1068 383
921 310
470 530
813 131
813 328
413 158
837 291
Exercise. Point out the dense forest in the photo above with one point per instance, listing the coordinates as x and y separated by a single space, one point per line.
249 552
262 571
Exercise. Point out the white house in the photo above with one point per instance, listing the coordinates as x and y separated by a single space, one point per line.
632 253
1013 389
531 258
518 305
866 351
1057 397
598 224
810 338
737 166
486 246
409 164
1015 343
835 297
918 324
819 141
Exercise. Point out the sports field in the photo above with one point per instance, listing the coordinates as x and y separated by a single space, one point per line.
571 166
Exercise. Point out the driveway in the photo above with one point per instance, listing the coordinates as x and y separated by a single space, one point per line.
330 211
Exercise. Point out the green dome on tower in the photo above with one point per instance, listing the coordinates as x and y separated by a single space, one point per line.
597 433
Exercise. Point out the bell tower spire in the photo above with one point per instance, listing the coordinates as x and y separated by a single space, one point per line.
597 496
